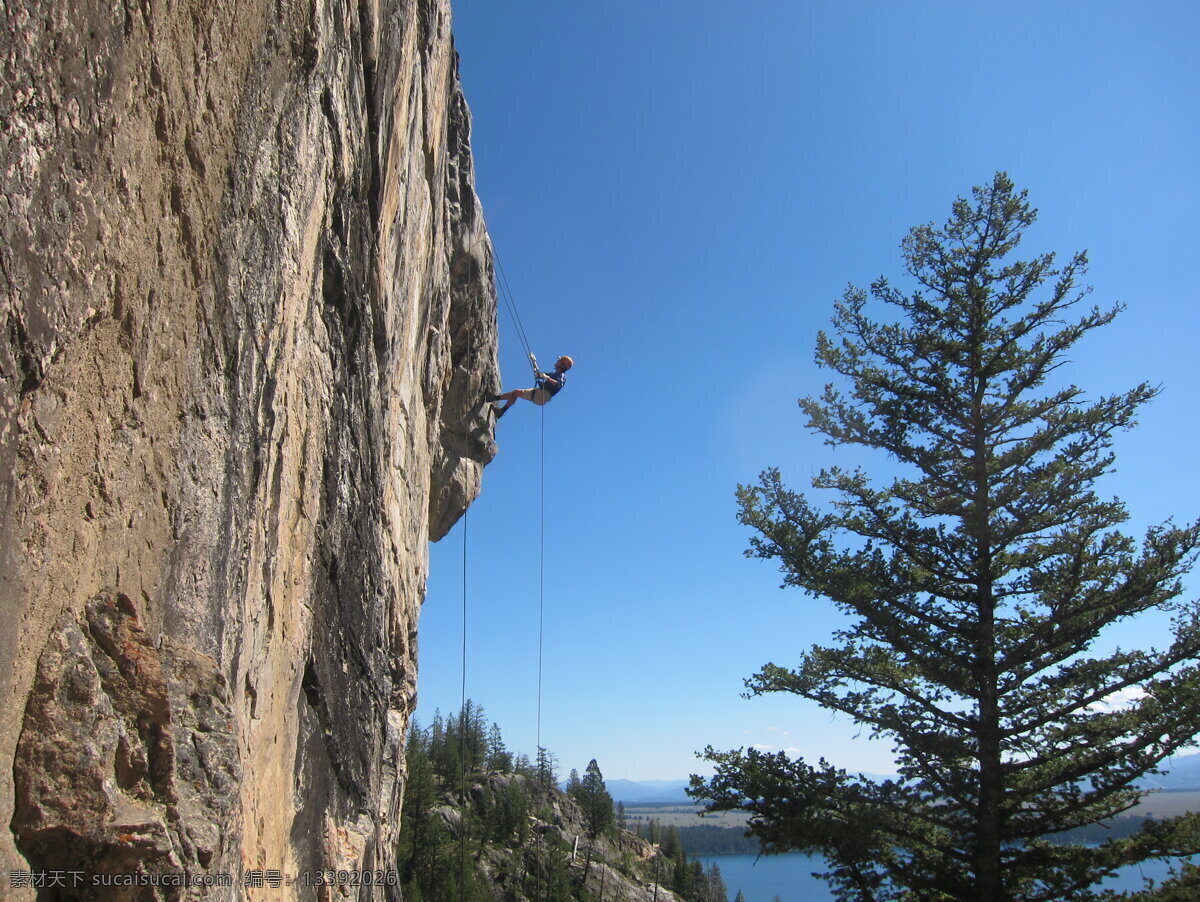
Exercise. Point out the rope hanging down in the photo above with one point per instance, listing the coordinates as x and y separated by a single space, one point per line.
462 707
541 612
462 734
510 303
506 294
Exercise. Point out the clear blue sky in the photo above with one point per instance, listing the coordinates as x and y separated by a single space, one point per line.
678 192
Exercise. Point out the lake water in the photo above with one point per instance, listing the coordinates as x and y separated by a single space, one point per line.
790 876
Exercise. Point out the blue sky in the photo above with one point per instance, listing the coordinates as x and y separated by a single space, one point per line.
678 193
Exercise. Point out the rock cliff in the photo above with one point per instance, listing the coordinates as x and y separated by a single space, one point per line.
246 317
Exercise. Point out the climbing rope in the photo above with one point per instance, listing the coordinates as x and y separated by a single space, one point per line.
462 734
541 614
506 293
541 568
504 290
462 706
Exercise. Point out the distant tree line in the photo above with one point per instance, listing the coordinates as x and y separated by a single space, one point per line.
706 840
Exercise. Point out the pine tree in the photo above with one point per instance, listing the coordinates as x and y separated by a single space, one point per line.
523 766
697 881
418 839
671 845
474 725
979 585
440 749
680 875
547 768
498 758
717 891
596 804
574 787
596 801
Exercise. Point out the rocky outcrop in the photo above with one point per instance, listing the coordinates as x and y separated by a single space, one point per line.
246 318
617 865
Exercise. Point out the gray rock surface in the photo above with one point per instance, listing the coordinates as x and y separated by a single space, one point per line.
246 320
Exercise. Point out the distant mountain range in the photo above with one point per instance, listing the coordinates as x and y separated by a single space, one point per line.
649 792
1182 774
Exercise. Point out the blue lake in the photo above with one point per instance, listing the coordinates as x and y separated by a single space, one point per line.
790 876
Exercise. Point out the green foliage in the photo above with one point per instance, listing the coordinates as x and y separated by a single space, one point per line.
438 862
976 585
499 761
470 828
595 801
552 879
461 742
523 766
547 768
681 876
653 830
671 845
712 884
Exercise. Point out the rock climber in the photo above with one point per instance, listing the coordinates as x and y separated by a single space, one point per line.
546 385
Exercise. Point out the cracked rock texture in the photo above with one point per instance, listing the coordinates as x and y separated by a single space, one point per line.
246 321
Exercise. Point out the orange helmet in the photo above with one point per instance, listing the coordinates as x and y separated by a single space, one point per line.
565 359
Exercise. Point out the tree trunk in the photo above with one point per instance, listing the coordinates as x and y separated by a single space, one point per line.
988 879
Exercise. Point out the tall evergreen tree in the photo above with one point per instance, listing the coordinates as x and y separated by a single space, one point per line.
596 801
671 845
498 758
419 838
597 806
523 766
574 787
717 891
680 875
981 585
474 725
547 768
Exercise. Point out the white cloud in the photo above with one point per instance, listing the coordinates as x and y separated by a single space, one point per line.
1118 700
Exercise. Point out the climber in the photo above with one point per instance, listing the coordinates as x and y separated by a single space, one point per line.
546 385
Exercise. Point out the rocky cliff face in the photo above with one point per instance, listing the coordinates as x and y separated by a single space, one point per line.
246 318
